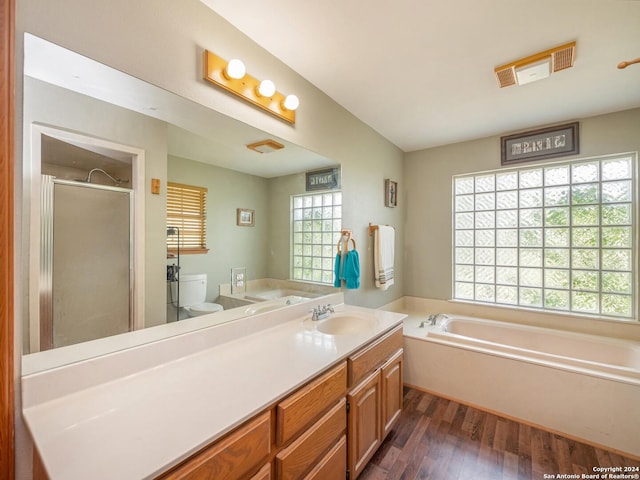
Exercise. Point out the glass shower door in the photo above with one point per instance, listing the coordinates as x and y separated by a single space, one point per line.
91 264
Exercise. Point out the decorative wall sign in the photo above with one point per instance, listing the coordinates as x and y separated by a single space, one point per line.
557 141
325 179
245 217
390 193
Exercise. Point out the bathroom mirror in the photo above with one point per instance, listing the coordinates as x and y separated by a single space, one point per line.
86 123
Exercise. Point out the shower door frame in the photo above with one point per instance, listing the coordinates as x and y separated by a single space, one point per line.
47 213
36 284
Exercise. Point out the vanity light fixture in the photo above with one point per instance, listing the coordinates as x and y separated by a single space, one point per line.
265 146
232 77
537 66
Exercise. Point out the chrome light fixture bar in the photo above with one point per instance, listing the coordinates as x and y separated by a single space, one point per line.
232 77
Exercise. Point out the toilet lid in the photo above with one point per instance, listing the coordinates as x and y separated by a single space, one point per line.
206 307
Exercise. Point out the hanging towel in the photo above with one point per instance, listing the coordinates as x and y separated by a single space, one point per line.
337 271
351 270
383 255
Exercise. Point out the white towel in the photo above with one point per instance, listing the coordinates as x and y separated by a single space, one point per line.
383 254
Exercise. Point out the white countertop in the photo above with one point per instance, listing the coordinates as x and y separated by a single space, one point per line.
136 424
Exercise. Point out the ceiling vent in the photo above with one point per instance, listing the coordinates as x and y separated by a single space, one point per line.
537 66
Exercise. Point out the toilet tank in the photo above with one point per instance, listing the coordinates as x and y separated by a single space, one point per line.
193 289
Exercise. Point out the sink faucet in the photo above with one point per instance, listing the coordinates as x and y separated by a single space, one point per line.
431 319
321 312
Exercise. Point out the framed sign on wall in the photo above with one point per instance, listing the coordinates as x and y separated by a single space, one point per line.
558 141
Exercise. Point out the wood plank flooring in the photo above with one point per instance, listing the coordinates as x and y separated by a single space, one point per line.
440 439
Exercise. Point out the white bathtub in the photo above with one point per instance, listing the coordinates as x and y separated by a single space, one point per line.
583 386
588 354
272 294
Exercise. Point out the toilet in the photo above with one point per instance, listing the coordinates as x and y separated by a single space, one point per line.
193 291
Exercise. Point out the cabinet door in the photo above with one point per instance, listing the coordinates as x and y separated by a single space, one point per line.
365 429
391 392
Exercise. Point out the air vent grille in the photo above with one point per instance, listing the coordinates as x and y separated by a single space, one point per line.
562 56
506 77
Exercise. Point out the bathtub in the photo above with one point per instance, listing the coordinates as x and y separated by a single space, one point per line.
273 294
589 354
579 385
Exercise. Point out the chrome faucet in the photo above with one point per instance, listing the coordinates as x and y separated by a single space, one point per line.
321 312
432 319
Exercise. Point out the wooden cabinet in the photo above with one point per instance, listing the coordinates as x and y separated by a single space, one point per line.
374 398
305 452
333 464
331 425
302 408
371 357
235 457
263 474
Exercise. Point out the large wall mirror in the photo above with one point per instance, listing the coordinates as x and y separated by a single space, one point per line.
94 138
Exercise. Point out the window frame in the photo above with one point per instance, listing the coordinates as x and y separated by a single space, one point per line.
570 290
192 223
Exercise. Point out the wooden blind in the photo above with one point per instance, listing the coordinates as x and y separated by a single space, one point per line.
187 210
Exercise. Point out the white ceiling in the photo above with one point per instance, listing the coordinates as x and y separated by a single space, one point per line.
420 72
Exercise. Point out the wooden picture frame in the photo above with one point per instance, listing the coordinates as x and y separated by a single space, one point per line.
390 193
557 141
245 217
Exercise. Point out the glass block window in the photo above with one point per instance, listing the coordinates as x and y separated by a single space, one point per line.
559 236
316 222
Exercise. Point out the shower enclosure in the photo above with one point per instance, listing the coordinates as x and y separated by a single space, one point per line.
86 262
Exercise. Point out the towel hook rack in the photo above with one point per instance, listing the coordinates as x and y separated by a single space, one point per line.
346 233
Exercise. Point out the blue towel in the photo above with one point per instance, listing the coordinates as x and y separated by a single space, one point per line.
351 269
336 270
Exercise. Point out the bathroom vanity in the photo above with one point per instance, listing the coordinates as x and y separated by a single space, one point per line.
275 395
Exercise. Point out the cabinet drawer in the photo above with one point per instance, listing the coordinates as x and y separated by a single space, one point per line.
334 463
373 356
302 408
232 457
263 474
301 455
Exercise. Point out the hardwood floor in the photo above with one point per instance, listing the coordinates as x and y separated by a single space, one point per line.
440 439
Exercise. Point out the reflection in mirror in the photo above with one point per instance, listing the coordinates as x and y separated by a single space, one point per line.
93 132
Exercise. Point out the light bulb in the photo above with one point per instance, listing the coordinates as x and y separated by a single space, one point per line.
235 69
266 88
291 102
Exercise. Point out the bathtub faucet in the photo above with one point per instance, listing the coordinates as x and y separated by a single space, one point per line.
431 319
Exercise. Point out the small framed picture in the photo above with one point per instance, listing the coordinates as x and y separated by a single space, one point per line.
390 193
245 217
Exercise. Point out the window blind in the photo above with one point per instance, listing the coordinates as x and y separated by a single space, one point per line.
186 209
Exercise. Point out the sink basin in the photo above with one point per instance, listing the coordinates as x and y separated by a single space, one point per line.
344 324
